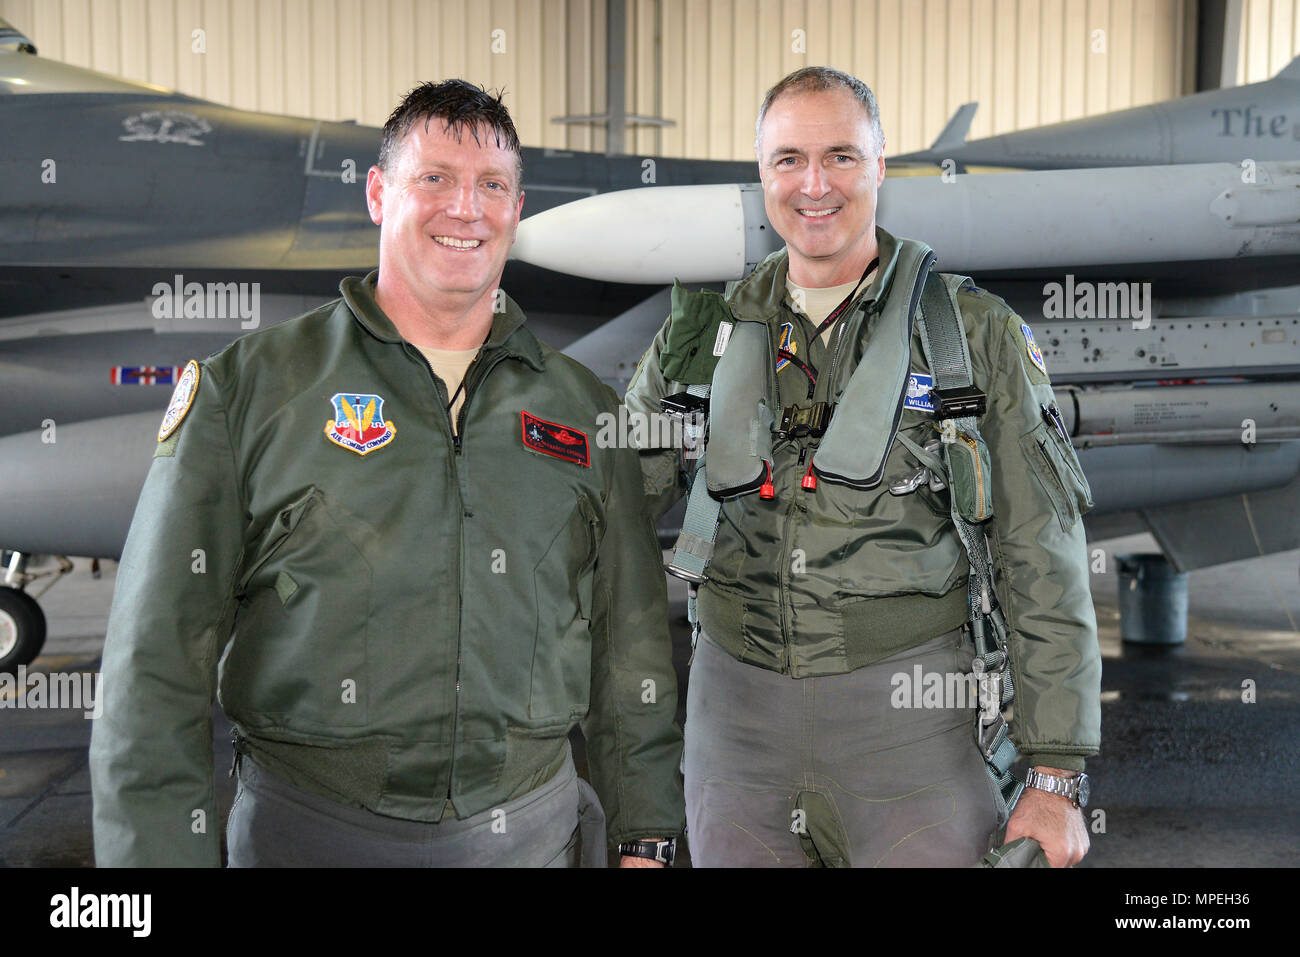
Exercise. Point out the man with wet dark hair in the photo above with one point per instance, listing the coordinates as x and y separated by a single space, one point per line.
463 108
418 571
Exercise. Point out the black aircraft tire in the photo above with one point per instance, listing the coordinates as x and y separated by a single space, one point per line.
22 629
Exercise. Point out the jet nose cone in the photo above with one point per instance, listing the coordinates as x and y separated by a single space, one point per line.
653 235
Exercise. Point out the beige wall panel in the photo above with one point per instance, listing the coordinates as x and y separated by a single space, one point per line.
1270 38
557 55
525 87
884 78
1166 58
1005 65
1029 80
135 39
719 103
702 63
747 88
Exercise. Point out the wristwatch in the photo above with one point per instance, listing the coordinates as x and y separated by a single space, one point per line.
1076 788
661 851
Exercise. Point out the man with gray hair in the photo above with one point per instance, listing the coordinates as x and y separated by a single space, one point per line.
877 432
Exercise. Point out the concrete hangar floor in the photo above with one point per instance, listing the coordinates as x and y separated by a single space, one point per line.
1190 774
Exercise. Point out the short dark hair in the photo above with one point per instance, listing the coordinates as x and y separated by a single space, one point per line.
818 79
461 106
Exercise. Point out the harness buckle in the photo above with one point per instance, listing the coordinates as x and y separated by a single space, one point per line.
798 422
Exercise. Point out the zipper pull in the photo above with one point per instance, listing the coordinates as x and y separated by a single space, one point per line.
235 741
768 490
809 480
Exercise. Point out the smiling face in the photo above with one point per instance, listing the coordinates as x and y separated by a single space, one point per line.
821 170
447 211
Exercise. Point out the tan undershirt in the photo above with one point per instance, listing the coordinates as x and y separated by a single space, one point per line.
450 365
817 304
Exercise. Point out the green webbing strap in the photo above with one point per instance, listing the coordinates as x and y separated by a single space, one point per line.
694 545
944 342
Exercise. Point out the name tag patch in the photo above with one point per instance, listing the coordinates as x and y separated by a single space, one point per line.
555 440
918 392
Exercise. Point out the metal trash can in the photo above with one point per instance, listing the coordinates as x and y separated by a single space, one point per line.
1152 600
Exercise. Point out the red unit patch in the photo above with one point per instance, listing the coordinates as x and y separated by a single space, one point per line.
559 441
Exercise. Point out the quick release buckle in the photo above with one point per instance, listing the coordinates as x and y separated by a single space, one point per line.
684 404
798 422
958 403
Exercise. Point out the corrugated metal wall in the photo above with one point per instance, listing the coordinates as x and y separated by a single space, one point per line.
1270 38
702 63
1027 62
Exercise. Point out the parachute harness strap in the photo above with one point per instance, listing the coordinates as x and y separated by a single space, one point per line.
943 341
694 547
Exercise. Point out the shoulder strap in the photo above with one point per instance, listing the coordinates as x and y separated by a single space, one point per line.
943 339
694 545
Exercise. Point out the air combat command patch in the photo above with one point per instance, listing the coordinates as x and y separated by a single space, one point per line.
358 422
1031 347
182 399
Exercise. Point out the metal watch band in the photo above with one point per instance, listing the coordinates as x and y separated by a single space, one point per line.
1074 789
661 851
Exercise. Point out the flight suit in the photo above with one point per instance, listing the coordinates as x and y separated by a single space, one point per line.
397 618
821 583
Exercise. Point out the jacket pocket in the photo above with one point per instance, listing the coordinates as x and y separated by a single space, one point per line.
968 463
1059 473
563 586
281 527
298 656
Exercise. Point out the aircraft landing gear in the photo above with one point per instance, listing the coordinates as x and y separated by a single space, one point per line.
22 623
22 629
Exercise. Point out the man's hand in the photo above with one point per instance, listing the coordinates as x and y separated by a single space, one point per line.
626 860
1053 821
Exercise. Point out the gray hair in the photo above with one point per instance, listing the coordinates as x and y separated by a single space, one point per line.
818 79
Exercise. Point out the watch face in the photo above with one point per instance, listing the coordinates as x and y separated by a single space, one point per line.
1085 789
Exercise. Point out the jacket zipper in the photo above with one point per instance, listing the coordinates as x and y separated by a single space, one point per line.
460 567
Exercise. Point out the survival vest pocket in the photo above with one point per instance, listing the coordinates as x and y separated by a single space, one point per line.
1059 472
689 350
968 464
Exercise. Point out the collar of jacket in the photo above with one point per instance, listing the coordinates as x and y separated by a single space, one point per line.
508 333
759 296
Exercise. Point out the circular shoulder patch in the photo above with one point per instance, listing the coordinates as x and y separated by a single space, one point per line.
182 398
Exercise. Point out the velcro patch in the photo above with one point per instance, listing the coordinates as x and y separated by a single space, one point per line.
918 392
558 441
1031 348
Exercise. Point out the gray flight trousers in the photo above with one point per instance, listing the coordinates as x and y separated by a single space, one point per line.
831 771
274 824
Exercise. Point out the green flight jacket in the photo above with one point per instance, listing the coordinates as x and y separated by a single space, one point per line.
420 624
822 582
